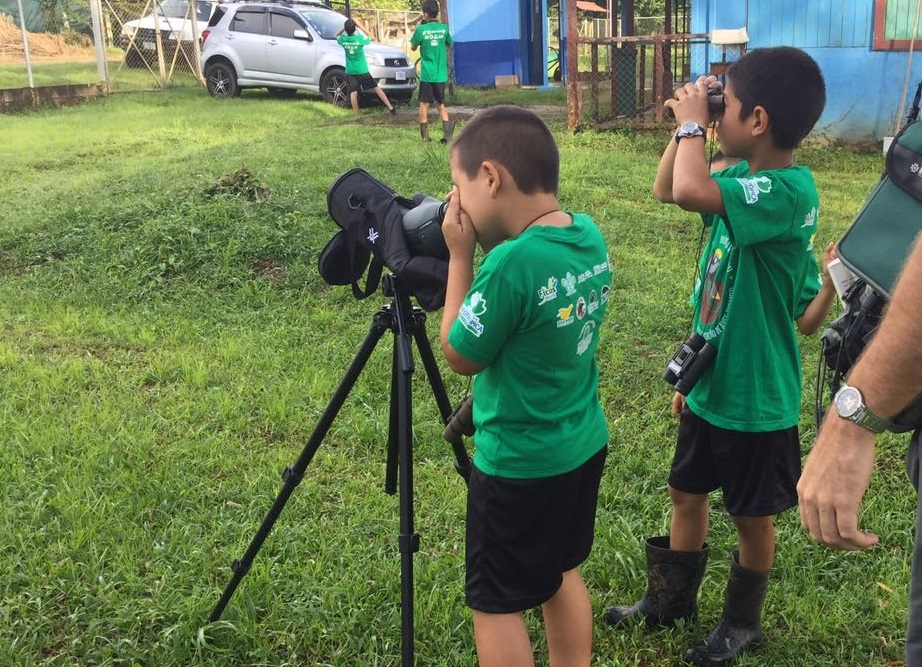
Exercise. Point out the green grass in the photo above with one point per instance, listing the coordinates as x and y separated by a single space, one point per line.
166 352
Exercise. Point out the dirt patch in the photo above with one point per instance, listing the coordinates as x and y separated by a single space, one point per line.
409 115
42 46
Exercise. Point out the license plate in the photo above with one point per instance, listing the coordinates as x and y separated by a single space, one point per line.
149 46
400 76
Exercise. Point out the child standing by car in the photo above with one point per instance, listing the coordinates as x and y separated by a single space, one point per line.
527 327
433 40
357 76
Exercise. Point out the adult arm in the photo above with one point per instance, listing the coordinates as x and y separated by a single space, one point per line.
889 376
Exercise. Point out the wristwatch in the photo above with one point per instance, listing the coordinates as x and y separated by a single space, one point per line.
849 403
689 129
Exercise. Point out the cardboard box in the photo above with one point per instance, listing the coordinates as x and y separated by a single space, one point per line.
507 80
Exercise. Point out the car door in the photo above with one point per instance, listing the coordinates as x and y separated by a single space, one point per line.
289 58
246 36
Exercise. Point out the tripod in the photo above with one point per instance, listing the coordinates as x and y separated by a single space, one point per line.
404 320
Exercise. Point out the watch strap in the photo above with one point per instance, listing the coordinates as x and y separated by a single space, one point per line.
687 132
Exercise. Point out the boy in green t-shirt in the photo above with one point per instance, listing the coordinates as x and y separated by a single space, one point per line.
433 40
527 327
357 76
738 423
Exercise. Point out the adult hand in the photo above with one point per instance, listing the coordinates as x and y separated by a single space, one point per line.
691 101
457 228
833 483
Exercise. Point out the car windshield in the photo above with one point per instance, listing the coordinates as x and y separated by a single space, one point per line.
325 21
179 9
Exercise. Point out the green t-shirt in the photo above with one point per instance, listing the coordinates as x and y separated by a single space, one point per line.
354 46
433 40
753 283
532 317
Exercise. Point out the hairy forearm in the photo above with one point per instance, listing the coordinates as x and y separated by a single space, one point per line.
889 373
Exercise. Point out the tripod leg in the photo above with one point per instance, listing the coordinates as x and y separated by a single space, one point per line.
408 538
393 436
293 475
462 460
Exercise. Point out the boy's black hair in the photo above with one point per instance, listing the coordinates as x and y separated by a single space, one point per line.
787 83
517 139
430 8
349 26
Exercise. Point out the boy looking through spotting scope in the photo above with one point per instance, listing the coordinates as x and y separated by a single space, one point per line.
738 423
527 327
433 40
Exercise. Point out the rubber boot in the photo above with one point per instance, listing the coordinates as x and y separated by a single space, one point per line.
673 579
448 129
740 625
424 131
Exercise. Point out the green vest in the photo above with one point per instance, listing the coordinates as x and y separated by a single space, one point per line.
532 318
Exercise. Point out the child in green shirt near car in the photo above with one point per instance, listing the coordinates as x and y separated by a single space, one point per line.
357 76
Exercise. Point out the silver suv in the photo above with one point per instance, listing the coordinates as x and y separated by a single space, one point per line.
287 47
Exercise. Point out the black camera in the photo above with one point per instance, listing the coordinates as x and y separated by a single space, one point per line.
689 362
716 103
423 226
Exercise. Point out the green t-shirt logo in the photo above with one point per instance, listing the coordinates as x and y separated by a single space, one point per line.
754 186
470 313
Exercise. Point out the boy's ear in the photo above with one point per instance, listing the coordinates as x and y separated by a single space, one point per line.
493 174
761 121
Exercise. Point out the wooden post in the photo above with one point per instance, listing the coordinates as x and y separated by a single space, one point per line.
594 81
574 97
443 13
659 92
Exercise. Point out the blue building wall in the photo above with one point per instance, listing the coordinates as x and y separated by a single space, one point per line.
863 87
487 40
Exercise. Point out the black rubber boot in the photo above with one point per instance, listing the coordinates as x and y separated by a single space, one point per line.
673 579
424 131
448 129
740 626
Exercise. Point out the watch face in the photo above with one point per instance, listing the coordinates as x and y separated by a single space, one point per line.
848 401
689 128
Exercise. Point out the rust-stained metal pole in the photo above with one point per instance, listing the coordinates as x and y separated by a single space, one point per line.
574 98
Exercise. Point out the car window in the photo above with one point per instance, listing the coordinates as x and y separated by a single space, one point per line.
249 20
327 23
203 10
283 25
179 9
219 13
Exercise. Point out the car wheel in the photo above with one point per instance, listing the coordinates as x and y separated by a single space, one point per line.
333 87
134 58
283 93
221 80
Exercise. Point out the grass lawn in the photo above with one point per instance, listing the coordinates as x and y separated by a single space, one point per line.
166 348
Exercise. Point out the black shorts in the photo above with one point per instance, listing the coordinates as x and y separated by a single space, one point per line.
431 92
757 472
523 534
360 82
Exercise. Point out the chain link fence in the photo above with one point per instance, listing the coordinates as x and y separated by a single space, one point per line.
627 80
144 45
